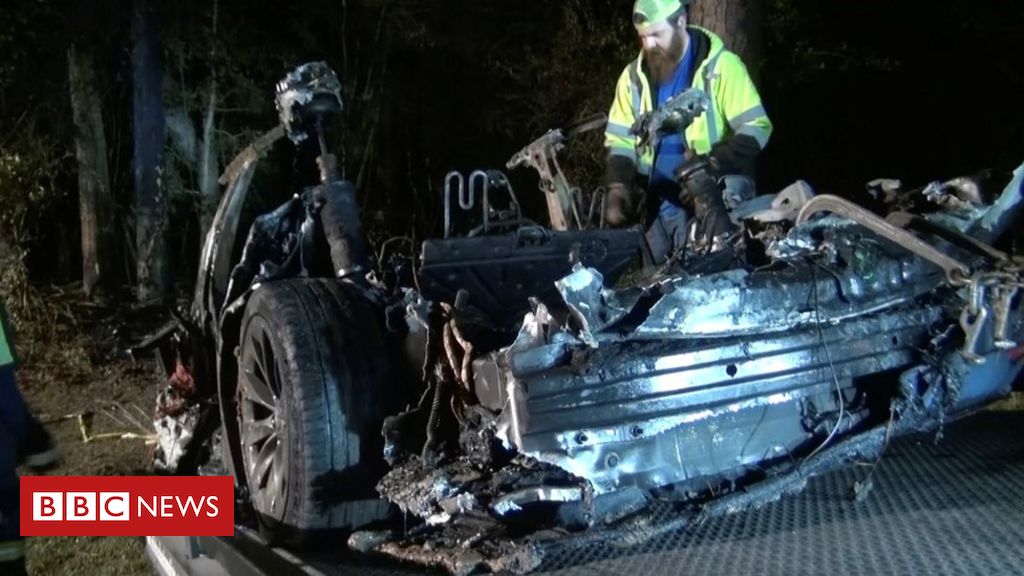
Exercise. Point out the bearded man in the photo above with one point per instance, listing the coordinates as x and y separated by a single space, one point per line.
698 172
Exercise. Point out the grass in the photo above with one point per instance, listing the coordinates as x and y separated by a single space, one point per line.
58 376
51 397
67 556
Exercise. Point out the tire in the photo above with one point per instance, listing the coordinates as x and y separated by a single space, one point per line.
313 391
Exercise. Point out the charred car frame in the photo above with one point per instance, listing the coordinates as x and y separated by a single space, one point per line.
522 385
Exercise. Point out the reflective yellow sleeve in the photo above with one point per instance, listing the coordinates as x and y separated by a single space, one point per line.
621 117
739 101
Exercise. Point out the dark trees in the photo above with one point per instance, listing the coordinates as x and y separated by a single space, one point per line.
151 206
95 201
738 22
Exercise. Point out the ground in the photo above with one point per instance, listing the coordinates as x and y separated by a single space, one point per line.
75 380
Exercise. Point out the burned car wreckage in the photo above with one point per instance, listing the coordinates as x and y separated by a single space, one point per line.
524 386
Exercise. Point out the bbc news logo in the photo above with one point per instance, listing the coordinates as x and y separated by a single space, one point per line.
127 506
117 506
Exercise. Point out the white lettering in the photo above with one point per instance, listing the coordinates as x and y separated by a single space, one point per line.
190 503
80 506
167 506
114 506
143 503
211 503
48 506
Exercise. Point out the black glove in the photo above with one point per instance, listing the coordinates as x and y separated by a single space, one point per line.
698 181
620 206
699 190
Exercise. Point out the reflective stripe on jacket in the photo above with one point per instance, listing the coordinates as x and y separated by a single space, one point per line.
735 105
11 551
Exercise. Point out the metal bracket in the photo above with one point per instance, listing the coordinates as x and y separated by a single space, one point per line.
972 321
455 184
542 156
1003 297
563 199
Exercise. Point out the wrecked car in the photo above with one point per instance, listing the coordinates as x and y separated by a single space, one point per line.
521 386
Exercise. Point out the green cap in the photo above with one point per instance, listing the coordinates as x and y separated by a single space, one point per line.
648 12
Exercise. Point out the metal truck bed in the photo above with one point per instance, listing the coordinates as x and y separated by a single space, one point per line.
950 507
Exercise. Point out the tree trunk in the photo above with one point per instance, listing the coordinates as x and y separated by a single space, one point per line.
181 135
151 207
209 188
738 22
94 195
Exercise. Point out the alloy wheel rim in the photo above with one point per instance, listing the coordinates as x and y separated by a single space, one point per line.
263 424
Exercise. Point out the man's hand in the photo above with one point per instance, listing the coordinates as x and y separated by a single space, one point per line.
673 116
620 206
698 180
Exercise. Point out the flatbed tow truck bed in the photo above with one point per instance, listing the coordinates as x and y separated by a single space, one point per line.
950 507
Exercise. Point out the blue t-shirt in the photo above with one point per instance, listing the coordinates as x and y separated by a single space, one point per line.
671 150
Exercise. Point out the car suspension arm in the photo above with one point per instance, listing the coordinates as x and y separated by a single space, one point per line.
956 271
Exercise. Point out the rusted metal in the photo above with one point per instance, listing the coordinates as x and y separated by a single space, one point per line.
252 152
563 201
541 156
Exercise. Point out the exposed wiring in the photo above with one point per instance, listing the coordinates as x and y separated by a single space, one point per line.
863 487
434 417
832 368
387 243
466 373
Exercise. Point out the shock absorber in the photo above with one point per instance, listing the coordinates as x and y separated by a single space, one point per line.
340 218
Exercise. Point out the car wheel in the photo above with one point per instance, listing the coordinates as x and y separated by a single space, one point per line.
312 395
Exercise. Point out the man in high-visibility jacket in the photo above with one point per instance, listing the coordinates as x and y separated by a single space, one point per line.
681 174
22 440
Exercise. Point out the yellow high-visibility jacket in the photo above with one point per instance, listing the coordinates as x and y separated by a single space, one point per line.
6 350
735 106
